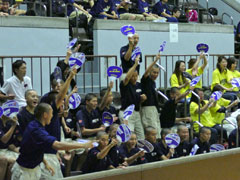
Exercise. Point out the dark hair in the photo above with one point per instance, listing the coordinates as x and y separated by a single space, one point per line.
175 9
191 62
165 131
195 98
103 92
220 58
148 129
204 129
217 88
50 98
230 61
174 90
17 64
40 109
55 82
90 96
177 71
28 91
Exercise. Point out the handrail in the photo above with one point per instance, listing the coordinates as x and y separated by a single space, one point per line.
226 14
42 5
209 14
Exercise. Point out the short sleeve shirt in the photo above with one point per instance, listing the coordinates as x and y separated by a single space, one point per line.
24 117
143 7
102 6
220 78
154 155
168 114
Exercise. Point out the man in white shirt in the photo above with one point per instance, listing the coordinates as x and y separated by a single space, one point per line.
16 86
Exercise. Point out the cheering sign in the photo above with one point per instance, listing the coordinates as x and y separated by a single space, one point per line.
145 145
202 48
77 60
194 150
71 43
127 30
128 112
1 111
195 81
57 73
235 82
216 95
10 108
135 53
162 46
107 119
161 67
172 140
123 133
74 101
114 71
216 147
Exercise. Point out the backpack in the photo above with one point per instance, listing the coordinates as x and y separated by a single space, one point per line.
192 15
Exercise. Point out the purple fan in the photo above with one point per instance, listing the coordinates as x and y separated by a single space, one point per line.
195 81
57 73
172 140
194 150
71 43
162 46
123 133
135 53
10 108
216 147
127 29
77 60
107 119
74 101
235 82
1 111
114 71
216 95
202 47
128 112
145 145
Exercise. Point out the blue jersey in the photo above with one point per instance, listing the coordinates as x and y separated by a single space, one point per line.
159 8
24 117
143 7
36 140
101 6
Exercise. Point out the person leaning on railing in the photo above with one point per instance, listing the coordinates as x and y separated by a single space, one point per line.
222 76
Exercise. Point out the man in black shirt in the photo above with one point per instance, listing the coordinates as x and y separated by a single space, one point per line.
149 111
131 93
126 53
183 147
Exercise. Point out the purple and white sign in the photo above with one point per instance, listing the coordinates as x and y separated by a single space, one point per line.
74 101
127 29
216 95
162 46
194 150
235 82
216 147
195 81
10 108
114 71
57 73
145 145
107 119
163 95
202 47
1 111
172 140
123 133
135 53
71 43
161 67
128 112
77 60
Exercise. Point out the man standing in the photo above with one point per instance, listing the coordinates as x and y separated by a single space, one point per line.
16 86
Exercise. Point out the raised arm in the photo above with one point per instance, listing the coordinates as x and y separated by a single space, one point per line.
146 74
69 146
104 99
131 71
127 56
105 151
205 107
7 136
131 159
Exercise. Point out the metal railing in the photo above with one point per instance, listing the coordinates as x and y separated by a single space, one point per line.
226 14
168 62
91 78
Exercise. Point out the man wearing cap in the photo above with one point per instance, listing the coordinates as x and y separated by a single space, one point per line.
126 53
16 86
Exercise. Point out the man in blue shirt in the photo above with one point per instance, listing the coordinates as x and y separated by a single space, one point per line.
104 9
35 142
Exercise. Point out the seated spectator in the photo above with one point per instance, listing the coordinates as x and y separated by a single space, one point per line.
123 11
89 118
202 141
183 147
232 140
166 152
126 53
178 79
194 70
222 76
36 141
16 86
98 158
203 111
2 13
168 115
237 37
131 153
218 111
151 136
104 9
143 9
131 93
9 10
105 105
231 66
161 9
